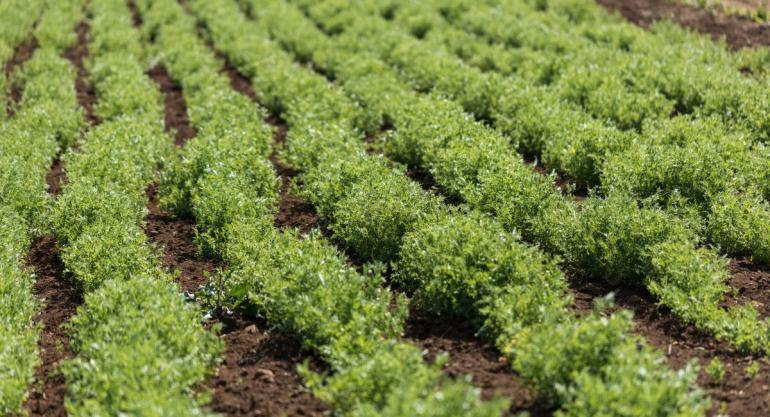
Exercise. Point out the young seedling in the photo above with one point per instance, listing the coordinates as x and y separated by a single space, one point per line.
752 370
716 370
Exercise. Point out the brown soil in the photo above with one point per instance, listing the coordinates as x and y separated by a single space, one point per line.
293 211
468 355
738 32
21 54
737 394
56 177
60 301
567 185
238 81
175 109
175 237
258 375
750 283
77 55
136 17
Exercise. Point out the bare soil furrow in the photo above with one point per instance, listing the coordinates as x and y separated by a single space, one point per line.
738 32
56 177
175 236
242 84
136 17
60 300
175 109
77 55
293 211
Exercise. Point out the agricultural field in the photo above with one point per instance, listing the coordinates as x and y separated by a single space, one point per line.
384 208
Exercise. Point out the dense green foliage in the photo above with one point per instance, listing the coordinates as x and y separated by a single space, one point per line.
372 207
566 120
145 349
18 349
139 348
469 266
301 284
481 98
46 120
474 163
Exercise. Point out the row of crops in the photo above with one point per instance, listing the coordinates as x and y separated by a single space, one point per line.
138 347
46 120
661 127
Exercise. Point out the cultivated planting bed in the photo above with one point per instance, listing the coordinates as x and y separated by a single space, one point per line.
383 208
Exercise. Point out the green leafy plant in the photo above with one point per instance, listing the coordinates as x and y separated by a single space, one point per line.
716 370
752 370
